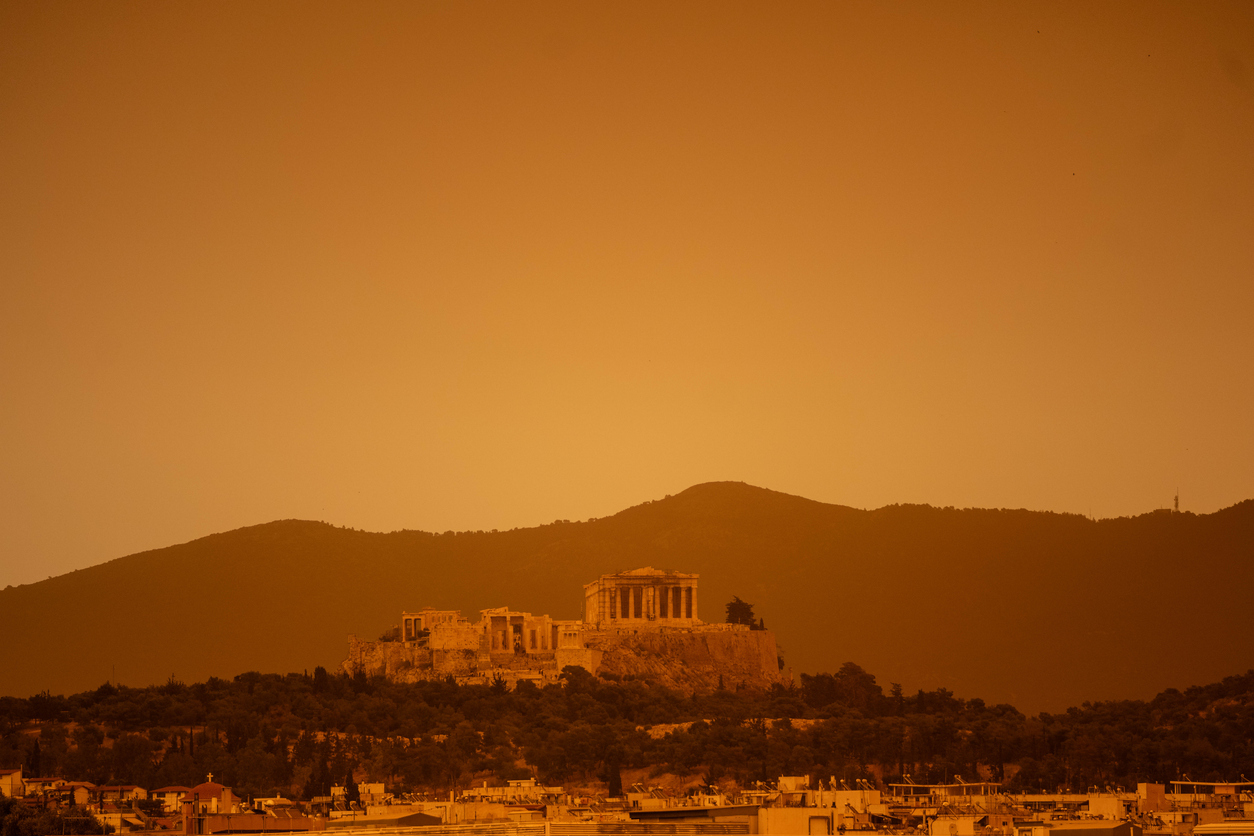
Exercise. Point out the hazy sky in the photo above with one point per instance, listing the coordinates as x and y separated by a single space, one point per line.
457 265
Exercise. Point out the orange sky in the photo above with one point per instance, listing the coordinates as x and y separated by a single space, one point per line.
428 265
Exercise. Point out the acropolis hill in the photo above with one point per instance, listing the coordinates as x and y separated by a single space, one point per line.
1079 609
641 623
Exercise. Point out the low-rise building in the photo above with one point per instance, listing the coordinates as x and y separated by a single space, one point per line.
120 794
77 793
171 798
43 786
11 783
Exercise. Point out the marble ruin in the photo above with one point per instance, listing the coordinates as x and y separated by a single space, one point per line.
640 624
640 598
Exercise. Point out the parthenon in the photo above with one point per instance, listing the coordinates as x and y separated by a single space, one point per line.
640 598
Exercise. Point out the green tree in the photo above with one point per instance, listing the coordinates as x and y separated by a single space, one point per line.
27 820
351 792
740 612
614 776
34 762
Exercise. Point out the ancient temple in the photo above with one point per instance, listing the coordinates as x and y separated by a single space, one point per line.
641 598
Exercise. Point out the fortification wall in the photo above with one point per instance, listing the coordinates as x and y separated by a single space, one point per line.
455 635
397 661
451 663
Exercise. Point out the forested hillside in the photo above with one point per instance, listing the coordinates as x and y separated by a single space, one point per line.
1042 610
299 733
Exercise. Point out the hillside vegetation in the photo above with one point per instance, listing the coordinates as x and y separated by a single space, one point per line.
1041 610
299 733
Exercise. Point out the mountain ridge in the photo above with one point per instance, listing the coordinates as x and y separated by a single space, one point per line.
1041 609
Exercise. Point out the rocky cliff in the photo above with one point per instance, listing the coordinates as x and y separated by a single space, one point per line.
690 661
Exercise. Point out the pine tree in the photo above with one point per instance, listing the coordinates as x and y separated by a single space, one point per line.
740 612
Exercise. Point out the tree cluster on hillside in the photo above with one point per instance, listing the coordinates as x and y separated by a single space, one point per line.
18 819
298 734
